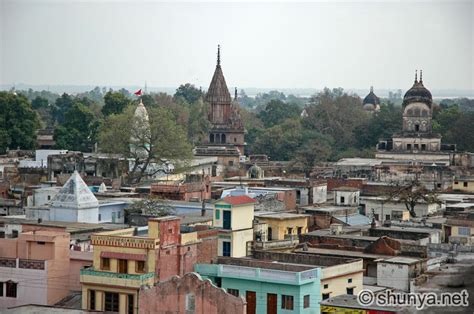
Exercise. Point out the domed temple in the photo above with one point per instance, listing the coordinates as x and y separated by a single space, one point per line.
371 101
416 136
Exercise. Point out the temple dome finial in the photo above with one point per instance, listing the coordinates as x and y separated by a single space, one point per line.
421 76
218 55
416 76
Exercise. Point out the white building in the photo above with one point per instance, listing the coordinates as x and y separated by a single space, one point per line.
397 272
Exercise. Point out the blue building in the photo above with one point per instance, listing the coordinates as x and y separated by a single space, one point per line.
268 287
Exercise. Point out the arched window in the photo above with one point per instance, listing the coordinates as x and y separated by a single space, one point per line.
409 112
218 138
424 113
417 112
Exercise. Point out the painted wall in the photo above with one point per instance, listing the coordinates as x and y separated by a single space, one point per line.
280 226
340 277
460 185
393 276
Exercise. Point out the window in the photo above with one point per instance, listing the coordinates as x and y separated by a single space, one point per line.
234 292
226 248
300 230
130 304
325 296
231 163
15 233
170 230
1 289
118 214
40 243
423 146
408 146
11 289
269 234
326 286
100 217
49 197
387 217
111 302
465 184
417 127
287 302
105 263
122 266
349 280
417 146
306 301
290 230
464 231
218 214
2 234
342 200
140 266
350 291
190 303
376 216
92 300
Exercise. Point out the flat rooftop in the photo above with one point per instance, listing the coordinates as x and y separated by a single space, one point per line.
343 253
280 215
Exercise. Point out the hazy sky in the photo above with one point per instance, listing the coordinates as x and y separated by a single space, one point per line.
271 45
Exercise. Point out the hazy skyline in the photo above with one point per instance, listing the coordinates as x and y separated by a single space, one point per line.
267 45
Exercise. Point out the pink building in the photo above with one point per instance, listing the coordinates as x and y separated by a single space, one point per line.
34 268
189 294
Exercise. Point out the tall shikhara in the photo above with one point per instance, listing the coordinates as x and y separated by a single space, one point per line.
226 124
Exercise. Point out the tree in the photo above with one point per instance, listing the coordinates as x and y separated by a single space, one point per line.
411 194
336 114
156 140
18 122
315 148
60 107
39 102
188 92
150 207
79 130
114 102
198 124
276 111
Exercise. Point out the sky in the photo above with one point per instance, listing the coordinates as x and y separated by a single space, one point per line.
267 44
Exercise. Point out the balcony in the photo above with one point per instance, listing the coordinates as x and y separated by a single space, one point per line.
88 275
258 274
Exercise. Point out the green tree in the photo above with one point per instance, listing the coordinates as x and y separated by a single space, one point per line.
18 122
79 130
157 140
114 102
188 92
277 111
60 107
198 124
315 147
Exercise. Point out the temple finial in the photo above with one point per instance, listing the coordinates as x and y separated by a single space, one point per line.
421 76
218 55
416 76
371 89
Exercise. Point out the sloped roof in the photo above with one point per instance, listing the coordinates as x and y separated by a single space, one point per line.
75 194
239 200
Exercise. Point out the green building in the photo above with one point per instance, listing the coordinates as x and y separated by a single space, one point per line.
267 287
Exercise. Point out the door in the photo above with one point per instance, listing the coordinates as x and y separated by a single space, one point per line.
227 219
113 217
122 266
251 298
271 303
226 248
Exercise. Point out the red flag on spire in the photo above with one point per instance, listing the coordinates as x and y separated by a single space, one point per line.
138 92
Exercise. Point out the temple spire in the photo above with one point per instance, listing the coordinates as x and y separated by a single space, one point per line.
218 55
421 76
416 76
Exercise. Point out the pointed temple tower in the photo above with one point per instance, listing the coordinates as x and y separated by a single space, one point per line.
227 128
226 132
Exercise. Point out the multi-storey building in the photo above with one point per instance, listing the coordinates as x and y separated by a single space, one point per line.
125 260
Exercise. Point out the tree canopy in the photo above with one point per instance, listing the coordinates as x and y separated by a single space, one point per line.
114 102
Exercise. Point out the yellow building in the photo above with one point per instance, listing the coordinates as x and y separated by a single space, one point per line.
464 184
234 216
283 225
341 279
124 260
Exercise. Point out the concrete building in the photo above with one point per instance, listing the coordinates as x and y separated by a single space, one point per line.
283 225
125 260
34 268
189 294
463 184
346 196
267 287
233 215
397 272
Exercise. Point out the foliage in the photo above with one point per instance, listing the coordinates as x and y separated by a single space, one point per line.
189 93
60 107
79 129
18 122
315 147
156 140
276 111
198 124
114 102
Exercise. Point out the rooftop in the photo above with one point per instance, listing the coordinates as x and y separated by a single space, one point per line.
239 200
280 215
402 260
350 301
